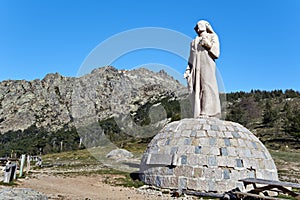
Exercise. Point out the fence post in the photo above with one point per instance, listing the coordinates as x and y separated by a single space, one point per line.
28 164
22 165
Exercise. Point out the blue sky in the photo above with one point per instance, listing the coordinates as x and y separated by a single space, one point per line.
259 38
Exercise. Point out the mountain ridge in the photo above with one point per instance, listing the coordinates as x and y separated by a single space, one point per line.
49 102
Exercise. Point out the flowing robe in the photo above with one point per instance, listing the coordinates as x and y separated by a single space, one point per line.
201 77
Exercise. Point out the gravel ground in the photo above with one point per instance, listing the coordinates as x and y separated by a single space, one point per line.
21 194
90 187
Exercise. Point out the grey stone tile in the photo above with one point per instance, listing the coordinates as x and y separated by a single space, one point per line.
226 174
227 142
212 161
182 183
198 149
212 141
224 151
183 159
239 162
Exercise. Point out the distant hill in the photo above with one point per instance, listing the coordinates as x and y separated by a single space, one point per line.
274 116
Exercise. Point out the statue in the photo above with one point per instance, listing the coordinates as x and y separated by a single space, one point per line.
178 144
200 72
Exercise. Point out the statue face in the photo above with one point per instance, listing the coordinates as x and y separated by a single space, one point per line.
198 31
201 26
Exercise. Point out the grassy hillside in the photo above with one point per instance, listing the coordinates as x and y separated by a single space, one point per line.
273 116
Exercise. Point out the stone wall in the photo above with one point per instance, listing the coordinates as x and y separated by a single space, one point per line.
205 154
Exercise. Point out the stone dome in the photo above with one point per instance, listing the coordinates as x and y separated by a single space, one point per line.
205 154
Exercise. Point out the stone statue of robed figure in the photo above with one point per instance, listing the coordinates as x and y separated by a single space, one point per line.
200 72
177 158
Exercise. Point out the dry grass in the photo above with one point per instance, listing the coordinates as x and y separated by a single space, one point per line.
288 165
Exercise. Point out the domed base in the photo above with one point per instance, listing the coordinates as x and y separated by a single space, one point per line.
205 154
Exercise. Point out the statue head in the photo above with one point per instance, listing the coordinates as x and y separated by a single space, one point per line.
203 25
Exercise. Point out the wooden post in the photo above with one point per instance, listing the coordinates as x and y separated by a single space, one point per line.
13 169
22 165
61 145
15 174
80 142
7 172
28 164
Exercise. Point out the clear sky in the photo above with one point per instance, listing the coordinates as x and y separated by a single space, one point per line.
259 38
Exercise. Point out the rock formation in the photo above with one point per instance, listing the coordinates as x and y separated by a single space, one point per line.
49 103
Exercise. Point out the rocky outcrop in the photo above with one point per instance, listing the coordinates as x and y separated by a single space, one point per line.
55 101
21 194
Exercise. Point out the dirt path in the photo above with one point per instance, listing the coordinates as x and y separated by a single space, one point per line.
85 187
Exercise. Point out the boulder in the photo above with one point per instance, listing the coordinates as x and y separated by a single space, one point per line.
118 154
21 194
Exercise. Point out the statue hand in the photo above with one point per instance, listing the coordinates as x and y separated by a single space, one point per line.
205 43
186 74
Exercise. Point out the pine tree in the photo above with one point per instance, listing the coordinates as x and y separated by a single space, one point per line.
287 116
270 114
